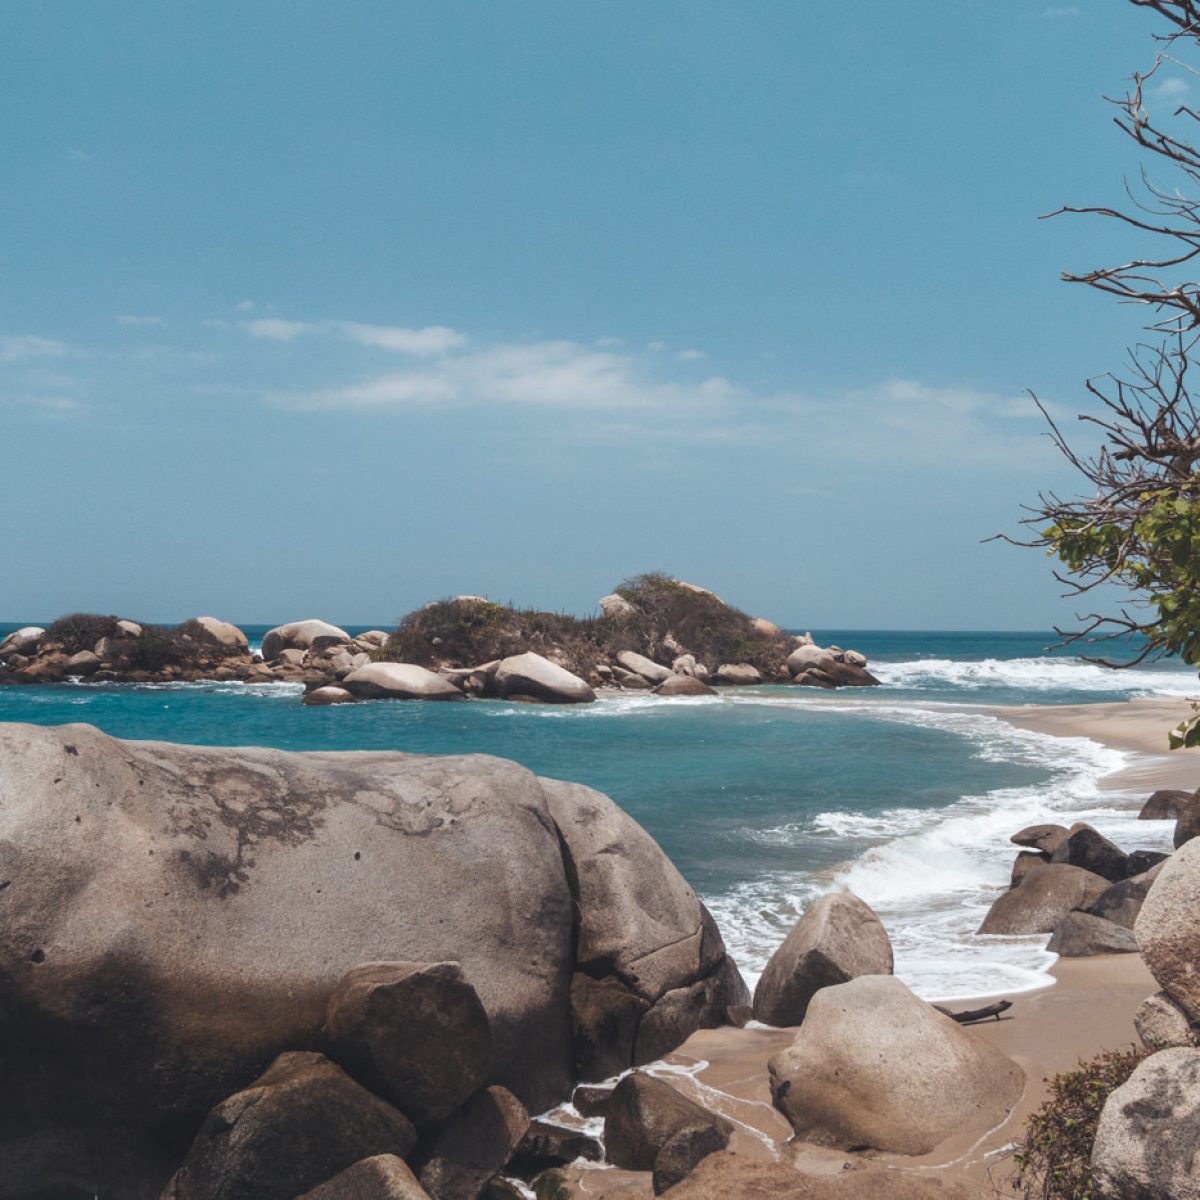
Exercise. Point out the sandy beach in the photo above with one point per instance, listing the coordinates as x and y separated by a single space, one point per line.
1089 1008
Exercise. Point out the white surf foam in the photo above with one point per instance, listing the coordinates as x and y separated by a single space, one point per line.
931 875
1038 675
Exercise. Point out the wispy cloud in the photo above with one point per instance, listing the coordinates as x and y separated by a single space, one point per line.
431 341
549 374
1170 91
690 355
1065 10
77 155
134 320
26 346
609 395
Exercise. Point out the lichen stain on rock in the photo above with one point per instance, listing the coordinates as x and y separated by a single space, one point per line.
252 808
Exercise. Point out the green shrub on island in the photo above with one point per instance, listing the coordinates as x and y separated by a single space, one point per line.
468 632
715 632
80 631
667 618
156 647
1054 1159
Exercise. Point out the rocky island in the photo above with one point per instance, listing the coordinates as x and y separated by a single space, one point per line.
654 633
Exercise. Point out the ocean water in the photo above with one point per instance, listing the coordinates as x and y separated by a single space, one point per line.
765 797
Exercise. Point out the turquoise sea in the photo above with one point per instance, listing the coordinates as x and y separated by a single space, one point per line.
763 797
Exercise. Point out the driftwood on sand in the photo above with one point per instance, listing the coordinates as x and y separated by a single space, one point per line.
971 1015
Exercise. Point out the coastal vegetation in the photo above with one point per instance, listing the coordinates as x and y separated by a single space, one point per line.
1136 530
661 618
1054 1159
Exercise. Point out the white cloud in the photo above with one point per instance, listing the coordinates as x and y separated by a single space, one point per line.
1068 10
548 374
429 342
245 306
690 355
77 155
131 319
277 330
25 346
1170 91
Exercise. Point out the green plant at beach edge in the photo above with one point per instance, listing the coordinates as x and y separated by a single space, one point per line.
1054 1159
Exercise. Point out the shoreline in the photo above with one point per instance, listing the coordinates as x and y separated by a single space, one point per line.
1087 1007
1137 728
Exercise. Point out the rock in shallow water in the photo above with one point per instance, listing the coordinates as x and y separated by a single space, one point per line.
838 938
1045 895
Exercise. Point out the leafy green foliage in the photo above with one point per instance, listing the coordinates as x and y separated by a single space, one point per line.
1152 547
1054 1160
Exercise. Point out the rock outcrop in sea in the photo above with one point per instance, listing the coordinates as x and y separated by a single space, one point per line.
655 633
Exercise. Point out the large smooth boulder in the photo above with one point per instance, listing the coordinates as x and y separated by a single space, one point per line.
642 935
645 1114
1044 897
647 668
737 675
1187 823
1164 805
381 1177
1082 935
22 641
300 635
322 697
1148 1134
474 1144
177 916
805 657
297 1125
529 676
1045 838
223 633
1123 901
683 685
415 1033
616 607
399 681
1026 862
1160 1022
838 938
83 663
1168 928
874 1066
1086 848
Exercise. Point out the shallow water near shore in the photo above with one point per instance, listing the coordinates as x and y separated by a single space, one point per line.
763 797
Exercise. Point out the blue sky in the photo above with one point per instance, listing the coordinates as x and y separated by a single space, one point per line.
327 310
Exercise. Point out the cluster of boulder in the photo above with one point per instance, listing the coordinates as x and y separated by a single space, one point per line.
1078 886
337 667
128 651
237 973
870 1068
1095 899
